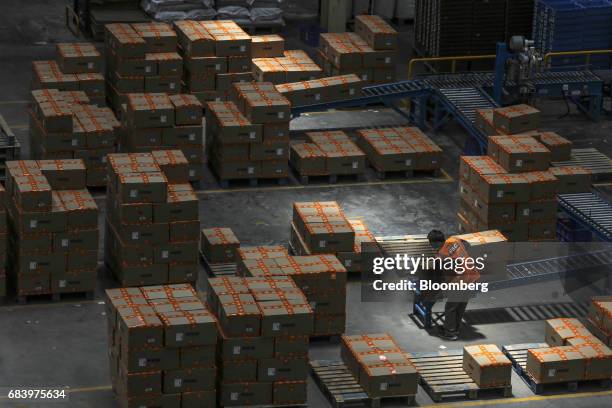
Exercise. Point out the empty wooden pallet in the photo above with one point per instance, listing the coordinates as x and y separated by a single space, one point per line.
441 374
338 384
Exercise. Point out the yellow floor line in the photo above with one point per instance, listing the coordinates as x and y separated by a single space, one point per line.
520 400
446 178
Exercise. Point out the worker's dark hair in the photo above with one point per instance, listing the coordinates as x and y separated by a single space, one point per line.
436 237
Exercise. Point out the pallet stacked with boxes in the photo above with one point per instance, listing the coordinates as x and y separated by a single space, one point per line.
249 137
400 149
158 121
152 224
162 347
264 324
217 54
513 188
379 365
369 52
364 240
574 354
329 153
141 58
53 228
291 66
64 125
487 366
78 68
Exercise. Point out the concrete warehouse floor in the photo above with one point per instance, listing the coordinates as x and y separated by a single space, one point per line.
64 344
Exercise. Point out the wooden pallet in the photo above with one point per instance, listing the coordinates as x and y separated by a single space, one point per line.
387 174
342 389
330 178
253 182
517 353
338 384
591 159
217 270
441 374
54 297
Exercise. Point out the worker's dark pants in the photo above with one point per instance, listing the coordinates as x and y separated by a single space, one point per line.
453 313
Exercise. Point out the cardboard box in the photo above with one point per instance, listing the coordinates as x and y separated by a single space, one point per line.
290 392
287 317
64 174
159 37
239 315
559 331
267 46
194 39
376 32
229 39
241 394
308 159
32 193
125 41
471 167
150 187
487 365
228 125
282 369
503 188
188 109
386 152
201 65
166 65
556 364
189 379
516 119
150 110
540 210
79 58
173 164
219 245
189 328
560 148
484 122
517 155
572 179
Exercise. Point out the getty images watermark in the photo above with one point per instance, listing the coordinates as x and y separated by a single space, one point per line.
406 264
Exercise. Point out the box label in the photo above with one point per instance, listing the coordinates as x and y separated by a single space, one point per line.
179 337
65 243
322 244
135 235
355 165
133 193
384 386
33 265
33 223
236 350
276 326
142 362
271 372
178 382
234 396
163 119
62 283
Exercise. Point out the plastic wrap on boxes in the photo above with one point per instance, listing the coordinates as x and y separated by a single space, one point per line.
268 14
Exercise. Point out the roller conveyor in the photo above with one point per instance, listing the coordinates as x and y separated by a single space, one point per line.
589 210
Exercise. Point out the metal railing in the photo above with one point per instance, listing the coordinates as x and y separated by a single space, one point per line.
453 61
587 54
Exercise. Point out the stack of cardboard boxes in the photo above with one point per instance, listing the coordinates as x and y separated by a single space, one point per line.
141 58
219 245
574 354
158 121
487 366
322 278
162 347
380 366
291 66
64 125
249 137
78 68
322 90
3 241
330 212
217 54
264 324
404 149
513 188
599 319
53 228
369 52
330 153
152 225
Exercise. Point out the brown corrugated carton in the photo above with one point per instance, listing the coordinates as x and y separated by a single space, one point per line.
219 245
32 193
79 58
558 331
470 167
487 365
516 119
560 148
377 33
484 122
519 154
188 110
503 188
194 39
173 164
572 179
267 46
308 159
242 394
535 211
159 37
556 364
385 151
286 317
229 39
239 315
125 41
150 110
64 174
